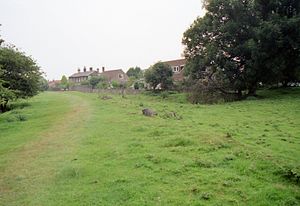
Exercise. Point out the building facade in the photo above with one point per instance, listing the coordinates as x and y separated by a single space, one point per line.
111 75
178 69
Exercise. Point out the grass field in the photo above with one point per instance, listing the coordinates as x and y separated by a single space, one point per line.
77 149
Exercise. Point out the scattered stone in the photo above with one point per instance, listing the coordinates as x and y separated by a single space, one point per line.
149 112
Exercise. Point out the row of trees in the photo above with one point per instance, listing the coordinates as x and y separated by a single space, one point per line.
20 76
241 44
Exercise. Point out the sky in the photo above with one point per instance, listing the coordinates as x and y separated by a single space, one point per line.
64 35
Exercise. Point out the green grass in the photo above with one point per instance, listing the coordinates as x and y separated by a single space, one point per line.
77 149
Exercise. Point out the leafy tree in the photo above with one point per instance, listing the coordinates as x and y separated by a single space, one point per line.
64 83
20 75
279 42
94 80
159 74
219 45
239 44
135 72
6 95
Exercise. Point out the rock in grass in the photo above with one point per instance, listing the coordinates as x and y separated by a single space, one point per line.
149 112
106 97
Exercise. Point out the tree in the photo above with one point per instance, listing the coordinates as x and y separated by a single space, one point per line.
159 74
64 83
19 77
135 72
219 46
279 42
6 95
238 45
93 81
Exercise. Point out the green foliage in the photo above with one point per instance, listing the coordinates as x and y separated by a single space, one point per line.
239 44
6 95
19 76
115 84
64 83
103 85
135 72
159 74
95 80
85 83
136 85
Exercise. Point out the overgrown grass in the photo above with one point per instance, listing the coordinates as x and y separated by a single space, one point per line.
241 153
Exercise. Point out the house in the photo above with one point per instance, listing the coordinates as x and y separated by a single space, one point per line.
178 69
114 75
83 76
111 75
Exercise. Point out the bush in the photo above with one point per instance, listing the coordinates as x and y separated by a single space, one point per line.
115 84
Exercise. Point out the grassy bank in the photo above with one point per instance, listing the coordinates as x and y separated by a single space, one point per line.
77 149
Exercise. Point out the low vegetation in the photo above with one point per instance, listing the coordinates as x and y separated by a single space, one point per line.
72 148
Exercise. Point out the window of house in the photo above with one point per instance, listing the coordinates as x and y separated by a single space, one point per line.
176 69
120 76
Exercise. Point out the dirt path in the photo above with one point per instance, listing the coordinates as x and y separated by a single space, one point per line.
34 166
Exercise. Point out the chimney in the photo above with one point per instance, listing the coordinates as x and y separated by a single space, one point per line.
84 69
103 69
91 69
97 70
78 70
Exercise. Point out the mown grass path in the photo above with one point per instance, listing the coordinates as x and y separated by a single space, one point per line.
33 165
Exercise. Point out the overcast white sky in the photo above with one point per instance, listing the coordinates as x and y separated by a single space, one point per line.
63 35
